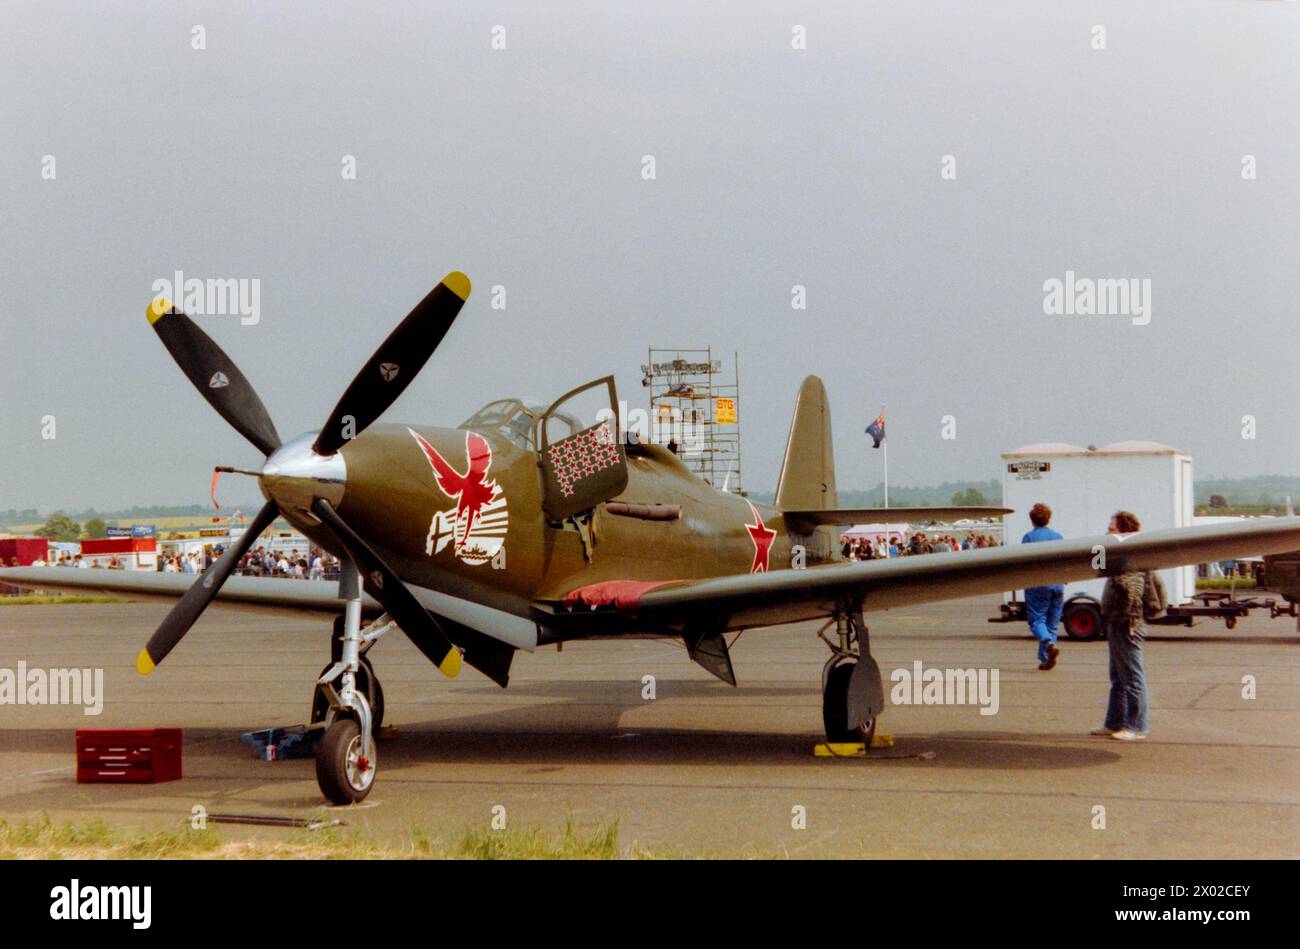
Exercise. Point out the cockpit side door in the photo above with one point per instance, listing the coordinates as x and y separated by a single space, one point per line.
582 468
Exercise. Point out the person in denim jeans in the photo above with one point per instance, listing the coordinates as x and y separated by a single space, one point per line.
1123 611
1127 707
1043 604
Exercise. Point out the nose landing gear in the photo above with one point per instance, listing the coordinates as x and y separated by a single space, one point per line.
367 681
347 757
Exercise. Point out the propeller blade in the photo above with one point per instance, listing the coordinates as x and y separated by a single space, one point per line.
198 596
387 587
395 363
214 375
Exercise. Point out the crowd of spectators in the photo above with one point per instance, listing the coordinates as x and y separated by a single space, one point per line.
312 564
882 548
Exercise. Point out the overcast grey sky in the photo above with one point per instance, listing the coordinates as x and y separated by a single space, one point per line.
775 167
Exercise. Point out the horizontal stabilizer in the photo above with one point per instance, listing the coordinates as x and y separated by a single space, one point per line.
805 521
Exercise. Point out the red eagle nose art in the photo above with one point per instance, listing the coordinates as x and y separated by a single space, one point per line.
470 490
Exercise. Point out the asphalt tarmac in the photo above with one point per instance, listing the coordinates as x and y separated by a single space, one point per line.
700 769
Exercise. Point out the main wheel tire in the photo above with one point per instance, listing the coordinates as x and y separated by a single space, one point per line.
1082 621
345 775
365 676
835 709
376 704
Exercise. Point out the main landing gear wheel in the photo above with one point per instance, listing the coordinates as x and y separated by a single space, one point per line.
835 709
365 678
344 774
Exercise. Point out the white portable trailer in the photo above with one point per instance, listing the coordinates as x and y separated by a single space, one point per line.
1084 487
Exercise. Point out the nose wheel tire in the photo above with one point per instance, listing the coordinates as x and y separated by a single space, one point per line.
835 709
344 774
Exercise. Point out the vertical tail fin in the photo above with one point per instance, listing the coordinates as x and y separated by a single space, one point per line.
808 472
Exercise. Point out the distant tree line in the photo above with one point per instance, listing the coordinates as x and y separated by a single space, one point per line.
1264 491
962 493
96 520
59 526
1263 494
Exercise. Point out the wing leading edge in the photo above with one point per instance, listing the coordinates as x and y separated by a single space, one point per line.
788 596
262 591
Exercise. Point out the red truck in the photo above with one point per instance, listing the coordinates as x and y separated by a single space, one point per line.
24 549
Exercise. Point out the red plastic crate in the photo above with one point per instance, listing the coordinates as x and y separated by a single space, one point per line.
128 756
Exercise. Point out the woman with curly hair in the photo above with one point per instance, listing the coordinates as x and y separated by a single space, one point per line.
1126 603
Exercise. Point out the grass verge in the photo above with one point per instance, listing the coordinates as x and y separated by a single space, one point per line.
37 599
94 839
1221 583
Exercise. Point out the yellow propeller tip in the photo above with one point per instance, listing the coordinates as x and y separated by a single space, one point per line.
457 283
144 663
157 309
450 665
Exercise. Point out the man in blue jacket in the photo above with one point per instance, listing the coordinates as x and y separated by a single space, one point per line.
1043 604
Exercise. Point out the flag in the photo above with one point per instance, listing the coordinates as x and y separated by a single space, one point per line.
877 430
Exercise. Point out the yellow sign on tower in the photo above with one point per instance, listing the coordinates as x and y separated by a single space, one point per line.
726 412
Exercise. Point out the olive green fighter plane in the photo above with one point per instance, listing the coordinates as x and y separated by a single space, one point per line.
526 527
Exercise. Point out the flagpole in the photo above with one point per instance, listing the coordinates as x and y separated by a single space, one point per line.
886 441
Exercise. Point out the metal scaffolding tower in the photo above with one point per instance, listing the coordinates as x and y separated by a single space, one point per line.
695 411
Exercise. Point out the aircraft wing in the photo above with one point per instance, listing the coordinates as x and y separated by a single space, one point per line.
261 591
313 595
787 596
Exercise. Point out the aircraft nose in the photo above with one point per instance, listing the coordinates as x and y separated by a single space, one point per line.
294 475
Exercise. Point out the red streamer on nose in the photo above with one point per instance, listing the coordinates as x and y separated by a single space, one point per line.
216 476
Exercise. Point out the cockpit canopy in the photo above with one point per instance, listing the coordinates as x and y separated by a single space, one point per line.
517 420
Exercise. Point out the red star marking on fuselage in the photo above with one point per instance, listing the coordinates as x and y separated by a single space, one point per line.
470 490
762 537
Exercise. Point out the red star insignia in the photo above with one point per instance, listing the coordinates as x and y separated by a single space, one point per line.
762 538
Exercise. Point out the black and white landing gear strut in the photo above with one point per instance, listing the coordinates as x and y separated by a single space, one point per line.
852 692
347 758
